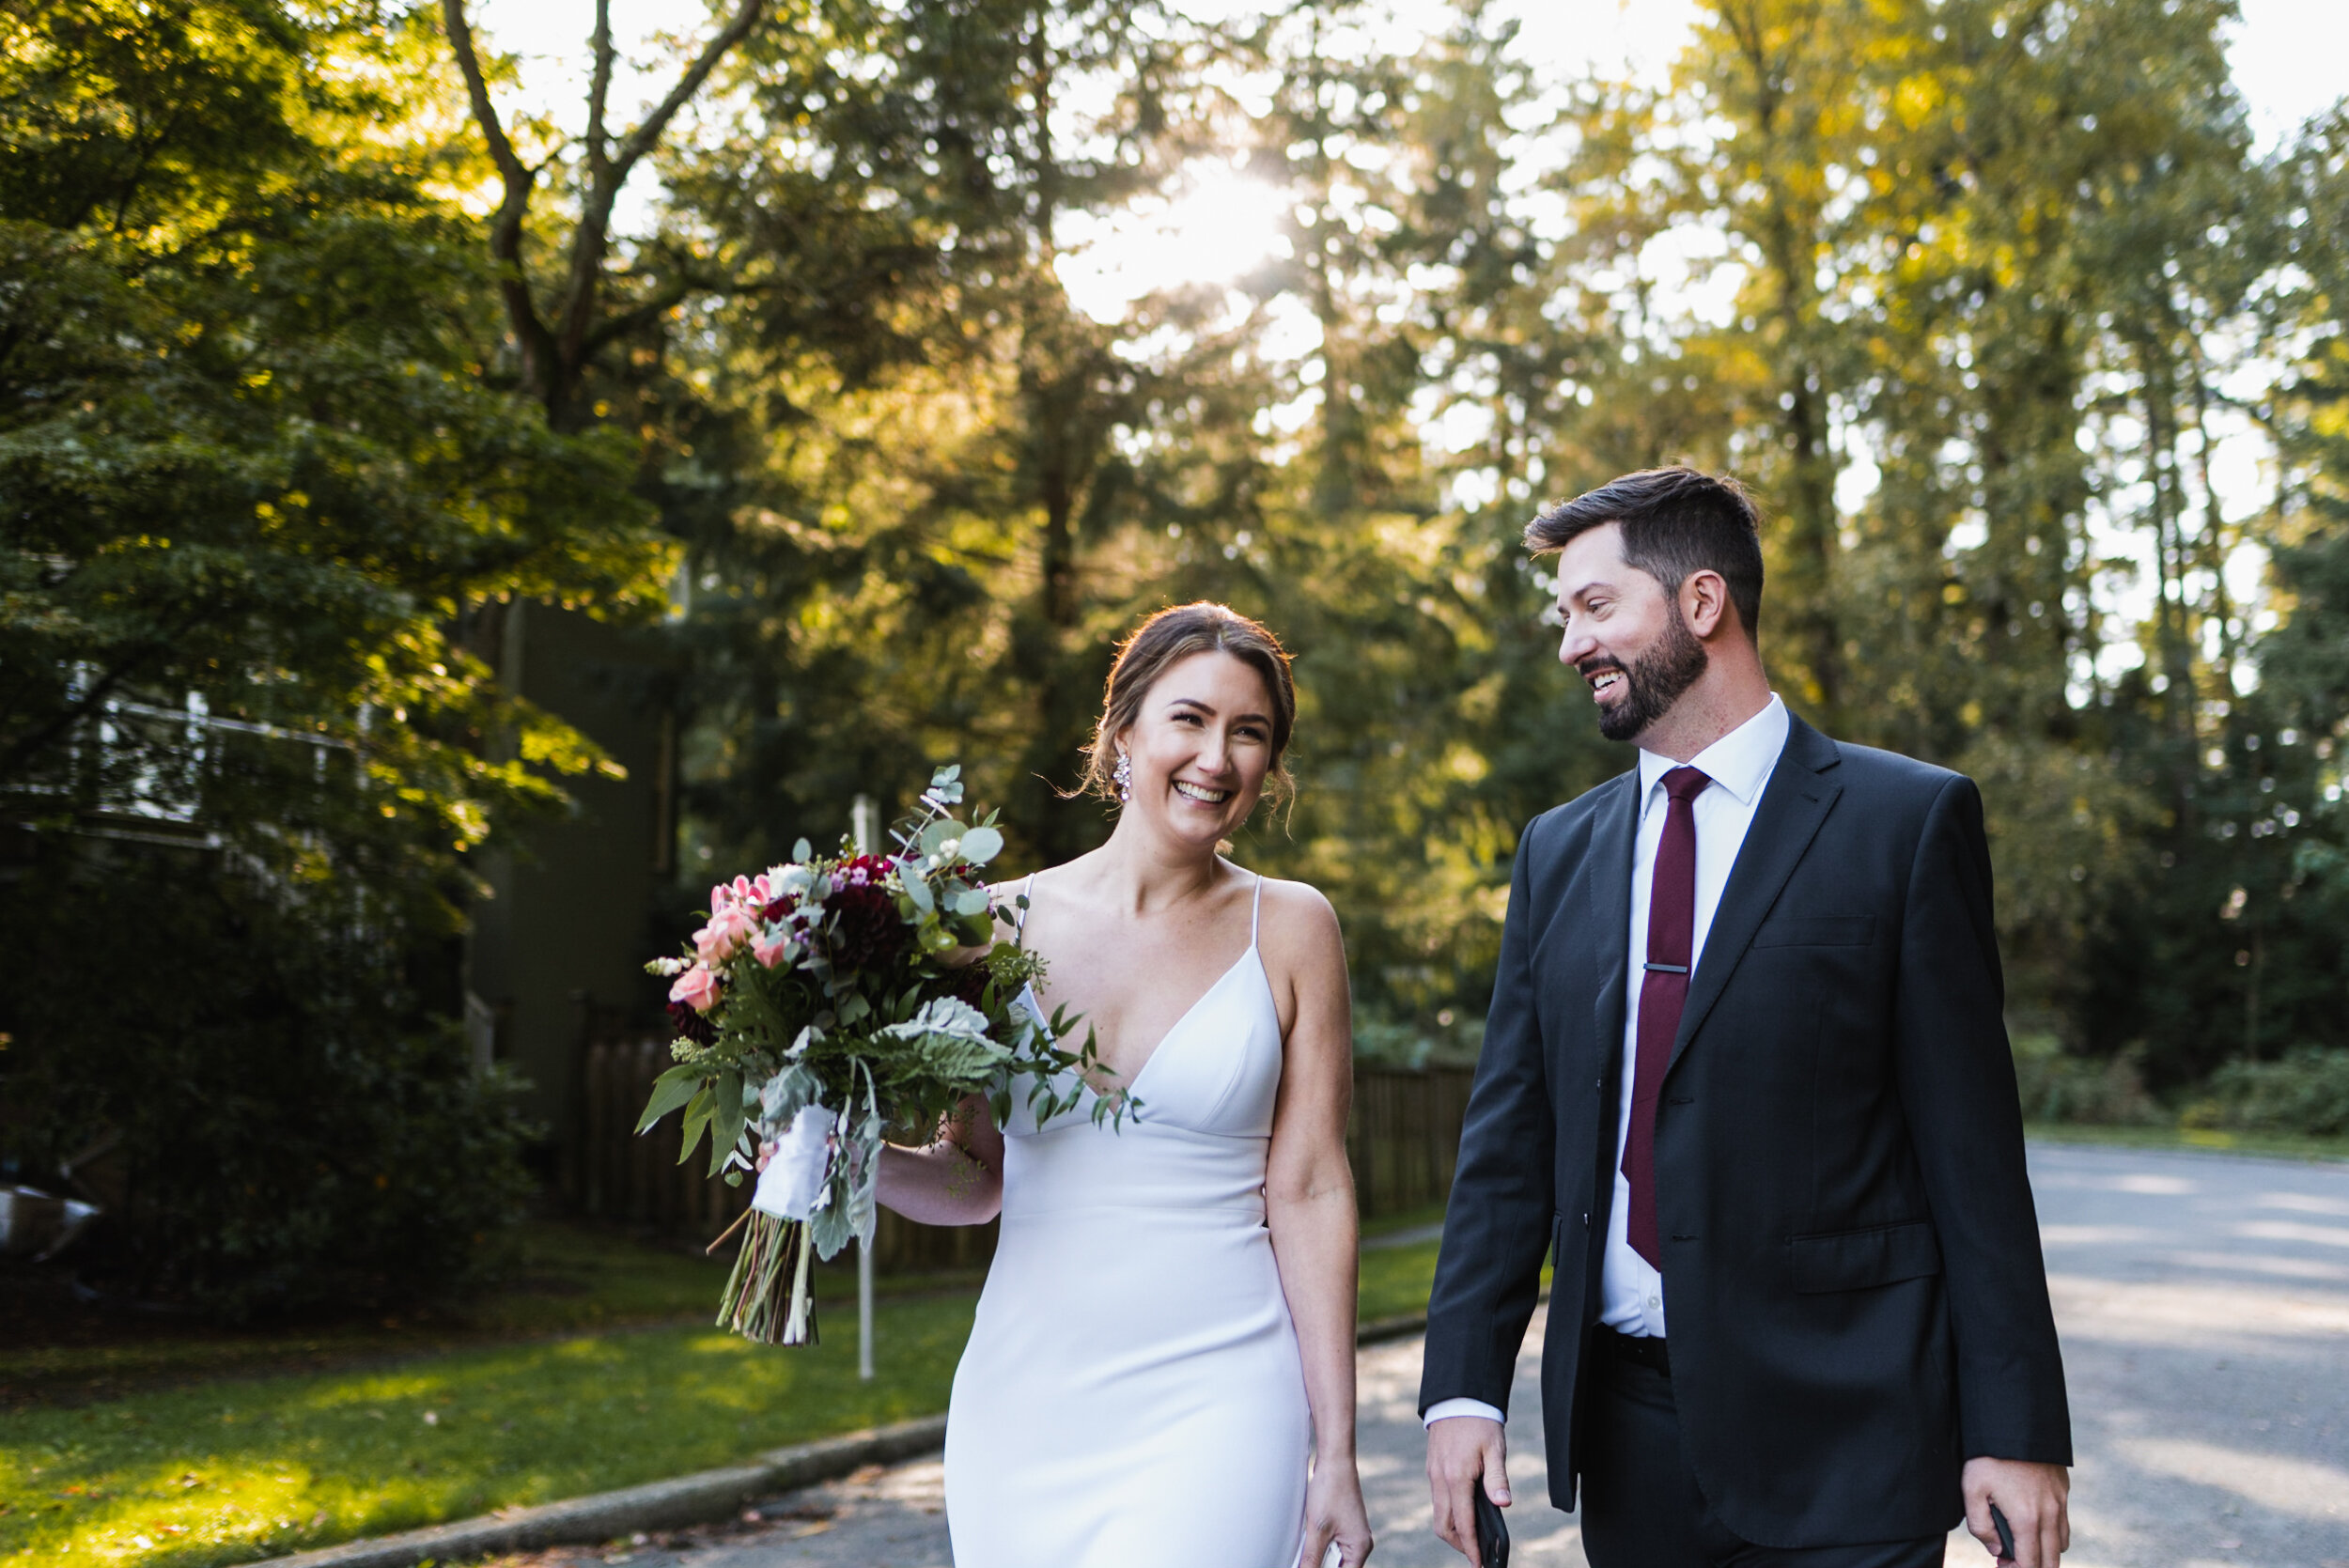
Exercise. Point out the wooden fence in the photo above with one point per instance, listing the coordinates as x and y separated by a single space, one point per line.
1403 1142
1405 1136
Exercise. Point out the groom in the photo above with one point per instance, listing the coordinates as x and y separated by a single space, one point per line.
1746 1075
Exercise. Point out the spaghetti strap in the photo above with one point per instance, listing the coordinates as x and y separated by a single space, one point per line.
1255 912
1020 928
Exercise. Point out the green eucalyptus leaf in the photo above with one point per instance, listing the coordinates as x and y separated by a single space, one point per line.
697 1111
669 1090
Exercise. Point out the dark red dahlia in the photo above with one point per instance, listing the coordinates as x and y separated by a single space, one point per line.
690 1025
865 931
971 983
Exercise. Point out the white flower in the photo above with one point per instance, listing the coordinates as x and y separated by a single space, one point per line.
791 879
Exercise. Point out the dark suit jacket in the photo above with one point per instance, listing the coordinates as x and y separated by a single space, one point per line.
1853 1287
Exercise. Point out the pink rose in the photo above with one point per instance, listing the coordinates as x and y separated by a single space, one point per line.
728 930
767 949
697 988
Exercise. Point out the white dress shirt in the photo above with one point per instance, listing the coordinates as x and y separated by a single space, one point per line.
1631 1291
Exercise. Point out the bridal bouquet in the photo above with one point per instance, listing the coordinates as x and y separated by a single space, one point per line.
832 998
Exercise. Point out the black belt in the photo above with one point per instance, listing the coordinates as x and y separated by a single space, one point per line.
1641 1350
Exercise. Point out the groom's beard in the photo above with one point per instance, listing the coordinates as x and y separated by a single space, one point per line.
1653 683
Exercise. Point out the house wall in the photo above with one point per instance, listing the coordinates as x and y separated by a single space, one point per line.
565 926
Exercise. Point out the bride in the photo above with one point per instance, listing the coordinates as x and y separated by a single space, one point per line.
1161 1372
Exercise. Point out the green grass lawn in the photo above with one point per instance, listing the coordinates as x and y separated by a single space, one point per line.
575 1378
232 1469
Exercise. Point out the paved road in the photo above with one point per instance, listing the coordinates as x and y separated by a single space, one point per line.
2204 1307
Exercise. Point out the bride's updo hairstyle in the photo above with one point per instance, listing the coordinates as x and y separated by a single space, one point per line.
1164 640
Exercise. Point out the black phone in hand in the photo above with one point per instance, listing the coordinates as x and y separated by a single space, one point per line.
1492 1530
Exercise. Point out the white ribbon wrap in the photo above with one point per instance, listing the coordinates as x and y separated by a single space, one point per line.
793 1185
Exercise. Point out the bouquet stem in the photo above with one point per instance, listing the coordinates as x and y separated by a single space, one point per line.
769 1298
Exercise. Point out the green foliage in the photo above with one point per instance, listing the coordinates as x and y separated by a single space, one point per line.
291 1128
2057 1087
263 505
284 427
266 501
2307 1093
1382 1040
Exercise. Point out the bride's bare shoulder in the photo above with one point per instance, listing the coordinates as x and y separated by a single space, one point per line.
1298 922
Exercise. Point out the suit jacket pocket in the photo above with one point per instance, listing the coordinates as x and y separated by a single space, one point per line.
1816 931
1858 1260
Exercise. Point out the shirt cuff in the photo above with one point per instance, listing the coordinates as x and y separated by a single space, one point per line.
1444 1409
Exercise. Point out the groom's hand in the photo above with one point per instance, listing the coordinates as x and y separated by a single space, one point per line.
2033 1497
1463 1451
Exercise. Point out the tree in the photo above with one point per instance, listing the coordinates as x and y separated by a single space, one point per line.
252 478
251 475
561 342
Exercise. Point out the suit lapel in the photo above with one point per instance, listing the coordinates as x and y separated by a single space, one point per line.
1611 839
1795 801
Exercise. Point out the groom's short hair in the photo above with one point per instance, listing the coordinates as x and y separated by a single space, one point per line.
1675 520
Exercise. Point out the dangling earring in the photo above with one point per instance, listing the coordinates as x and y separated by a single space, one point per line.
1124 778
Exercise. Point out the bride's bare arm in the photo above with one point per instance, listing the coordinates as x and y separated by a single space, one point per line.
1309 1204
958 1180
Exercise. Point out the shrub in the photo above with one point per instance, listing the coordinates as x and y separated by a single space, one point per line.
2307 1093
2060 1087
293 1127
1444 1040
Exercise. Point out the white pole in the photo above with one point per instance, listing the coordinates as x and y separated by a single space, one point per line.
864 1311
860 824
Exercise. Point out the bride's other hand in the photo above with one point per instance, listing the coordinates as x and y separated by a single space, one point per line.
766 1153
1334 1516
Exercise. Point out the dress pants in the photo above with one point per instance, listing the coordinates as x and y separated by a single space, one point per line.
1641 1507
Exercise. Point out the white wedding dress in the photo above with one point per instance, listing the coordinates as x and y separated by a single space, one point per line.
1131 1396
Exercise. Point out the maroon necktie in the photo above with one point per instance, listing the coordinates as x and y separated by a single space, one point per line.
1672 917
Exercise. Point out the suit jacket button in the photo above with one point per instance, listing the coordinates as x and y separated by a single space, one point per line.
1586 1219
